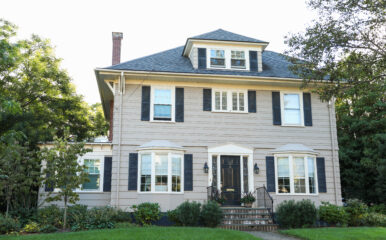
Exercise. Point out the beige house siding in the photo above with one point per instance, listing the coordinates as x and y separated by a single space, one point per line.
202 129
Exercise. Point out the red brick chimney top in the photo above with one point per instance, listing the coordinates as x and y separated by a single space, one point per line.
117 37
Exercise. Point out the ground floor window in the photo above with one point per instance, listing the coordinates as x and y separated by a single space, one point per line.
295 174
160 171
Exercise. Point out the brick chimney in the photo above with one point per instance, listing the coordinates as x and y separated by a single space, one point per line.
117 38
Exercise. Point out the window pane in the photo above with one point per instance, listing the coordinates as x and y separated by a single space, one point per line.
241 101
292 116
217 58
162 111
93 170
224 100
93 165
93 184
162 96
217 62
234 101
291 101
311 174
217 53
217 100
283 175
299 175
161 173
176 174
146 173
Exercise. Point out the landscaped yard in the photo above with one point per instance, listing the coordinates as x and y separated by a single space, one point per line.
367 233
144 233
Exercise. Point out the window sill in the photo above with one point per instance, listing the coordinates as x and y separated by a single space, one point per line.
161 121
163 193
228 112
296 126
297 194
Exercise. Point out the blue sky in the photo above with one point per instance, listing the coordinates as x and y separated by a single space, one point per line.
81 30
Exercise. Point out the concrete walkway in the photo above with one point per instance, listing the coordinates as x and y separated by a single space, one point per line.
272 236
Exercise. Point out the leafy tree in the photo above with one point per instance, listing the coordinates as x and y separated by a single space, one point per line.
345 47
99 124
63 172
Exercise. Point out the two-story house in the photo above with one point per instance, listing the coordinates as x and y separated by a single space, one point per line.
219 112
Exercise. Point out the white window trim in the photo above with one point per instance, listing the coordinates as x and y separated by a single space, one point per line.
170 154
292 186
245 59
229 100
101 175
152 89
301 109
228 56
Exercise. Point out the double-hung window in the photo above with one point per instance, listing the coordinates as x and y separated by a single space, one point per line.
229 100
292 109
162 103
217 58
238 59
161 172
296 174
93 170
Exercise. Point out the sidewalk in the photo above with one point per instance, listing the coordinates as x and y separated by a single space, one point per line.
272 236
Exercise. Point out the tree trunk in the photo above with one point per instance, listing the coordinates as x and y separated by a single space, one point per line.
65 213
8 203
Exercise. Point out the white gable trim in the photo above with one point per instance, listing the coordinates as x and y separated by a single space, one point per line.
231 149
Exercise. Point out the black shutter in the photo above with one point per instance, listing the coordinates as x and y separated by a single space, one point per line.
145 110
107 174
207 99
276 111
188 172
253 60
179 104
133 171
307 109
320 166
202 58
270 172
48 187
252 101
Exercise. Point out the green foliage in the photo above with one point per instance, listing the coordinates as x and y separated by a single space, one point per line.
99 124
100 218
332 214
146 213
375 219
248 198
122 216
48 229
77 217
31 227
357 211
50 215
8 225
345 46
378 208
211 214
291 214
186 214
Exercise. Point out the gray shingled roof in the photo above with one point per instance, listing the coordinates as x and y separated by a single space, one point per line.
274 65
222 35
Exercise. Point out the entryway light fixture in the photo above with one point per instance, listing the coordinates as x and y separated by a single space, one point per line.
206 168
256 169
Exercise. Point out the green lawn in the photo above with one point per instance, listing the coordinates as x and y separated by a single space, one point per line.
358 233
144 233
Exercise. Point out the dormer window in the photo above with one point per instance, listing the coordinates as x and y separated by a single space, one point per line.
217 58
238 59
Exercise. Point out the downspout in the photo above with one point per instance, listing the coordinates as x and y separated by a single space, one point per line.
121 91
330 109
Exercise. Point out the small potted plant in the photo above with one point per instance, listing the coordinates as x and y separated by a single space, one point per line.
218 198
248 199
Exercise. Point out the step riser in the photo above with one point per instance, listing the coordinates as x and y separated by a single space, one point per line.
264 228
248 222
245 211
254 216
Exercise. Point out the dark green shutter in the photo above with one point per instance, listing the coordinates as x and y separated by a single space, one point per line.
320 167
179 104
253 60
145 109
270 172
133 171
276 110
252 101
207 99
202 58
307 109
107 174
188 172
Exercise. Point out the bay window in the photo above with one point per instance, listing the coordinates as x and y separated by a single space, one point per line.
292 112
296 174
229 100
161 171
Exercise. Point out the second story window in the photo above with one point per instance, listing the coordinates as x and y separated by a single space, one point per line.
217 58
238 59
292 109
229 101
162 103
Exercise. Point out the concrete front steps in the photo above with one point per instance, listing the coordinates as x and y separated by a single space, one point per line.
247 219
